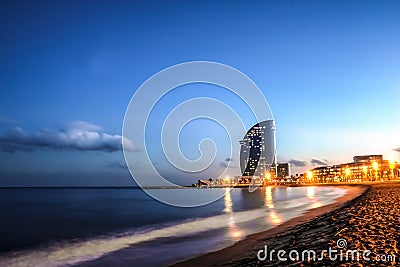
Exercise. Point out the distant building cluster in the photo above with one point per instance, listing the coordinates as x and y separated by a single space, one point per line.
367 168
278 173
257 160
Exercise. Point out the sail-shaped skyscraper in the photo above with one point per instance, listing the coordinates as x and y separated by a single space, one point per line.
258 149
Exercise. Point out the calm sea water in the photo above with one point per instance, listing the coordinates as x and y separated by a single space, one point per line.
55 227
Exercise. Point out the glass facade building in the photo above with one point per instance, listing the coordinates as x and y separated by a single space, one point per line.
258 149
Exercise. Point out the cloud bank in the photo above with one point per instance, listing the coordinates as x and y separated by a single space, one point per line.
77 135
298 163
226 162
319 162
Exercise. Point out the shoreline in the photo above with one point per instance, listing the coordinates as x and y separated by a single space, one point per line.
244 248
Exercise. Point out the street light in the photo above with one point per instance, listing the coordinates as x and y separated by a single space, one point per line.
376 167
365 171
309 175
347 173
227 180
392 165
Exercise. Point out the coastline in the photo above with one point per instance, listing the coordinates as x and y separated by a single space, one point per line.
246 248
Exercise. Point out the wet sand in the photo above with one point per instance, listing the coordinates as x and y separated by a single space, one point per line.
367 217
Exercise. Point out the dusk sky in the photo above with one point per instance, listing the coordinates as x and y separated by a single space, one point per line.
329 70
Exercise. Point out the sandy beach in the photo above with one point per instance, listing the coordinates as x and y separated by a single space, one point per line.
365 217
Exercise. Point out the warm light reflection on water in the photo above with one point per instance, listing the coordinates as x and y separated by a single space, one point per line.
228 201
234 232
275 218
311 192
274 215
289 190
268 197
315 203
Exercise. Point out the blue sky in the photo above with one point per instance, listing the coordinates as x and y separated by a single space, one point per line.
329 69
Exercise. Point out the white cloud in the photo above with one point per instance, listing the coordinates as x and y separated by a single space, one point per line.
78 135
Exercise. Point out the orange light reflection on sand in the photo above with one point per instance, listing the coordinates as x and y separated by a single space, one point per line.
316 205
268 197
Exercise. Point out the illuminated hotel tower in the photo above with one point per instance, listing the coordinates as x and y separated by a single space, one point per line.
258 149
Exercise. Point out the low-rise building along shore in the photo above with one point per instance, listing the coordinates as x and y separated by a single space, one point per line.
366 168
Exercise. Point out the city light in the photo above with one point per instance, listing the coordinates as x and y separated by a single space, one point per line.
365 168
392 164
309 175
375 165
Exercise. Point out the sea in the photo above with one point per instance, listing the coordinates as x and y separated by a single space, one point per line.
75 226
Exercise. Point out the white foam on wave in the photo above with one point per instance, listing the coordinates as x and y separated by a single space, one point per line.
70 253
338 192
